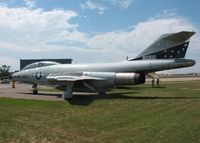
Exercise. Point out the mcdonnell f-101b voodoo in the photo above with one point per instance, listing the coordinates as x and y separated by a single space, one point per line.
167 52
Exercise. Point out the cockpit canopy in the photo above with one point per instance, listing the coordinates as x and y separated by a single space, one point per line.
40 64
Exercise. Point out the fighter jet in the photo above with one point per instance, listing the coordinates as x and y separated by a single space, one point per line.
167 52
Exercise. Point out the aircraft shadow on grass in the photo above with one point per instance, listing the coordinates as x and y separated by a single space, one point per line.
84 100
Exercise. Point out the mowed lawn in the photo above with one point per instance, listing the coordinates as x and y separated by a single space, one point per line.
141 114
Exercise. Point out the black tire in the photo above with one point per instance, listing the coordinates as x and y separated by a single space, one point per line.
35 92
102 93
68 99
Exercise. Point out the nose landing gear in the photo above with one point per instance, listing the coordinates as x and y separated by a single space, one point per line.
35 89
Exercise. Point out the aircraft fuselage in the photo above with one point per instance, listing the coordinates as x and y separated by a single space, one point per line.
38 75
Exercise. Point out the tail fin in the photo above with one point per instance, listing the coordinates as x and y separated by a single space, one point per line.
167 46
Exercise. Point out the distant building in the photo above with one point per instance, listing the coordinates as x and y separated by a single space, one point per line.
25 62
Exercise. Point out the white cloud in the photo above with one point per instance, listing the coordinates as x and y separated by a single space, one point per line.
30 3
30 29
140 36
93 6
123 4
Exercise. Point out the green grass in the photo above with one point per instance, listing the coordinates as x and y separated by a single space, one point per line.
141 114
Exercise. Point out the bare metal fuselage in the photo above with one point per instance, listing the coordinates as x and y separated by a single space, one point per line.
140 66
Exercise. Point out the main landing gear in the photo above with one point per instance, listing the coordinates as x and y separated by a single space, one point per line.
35 89
67 94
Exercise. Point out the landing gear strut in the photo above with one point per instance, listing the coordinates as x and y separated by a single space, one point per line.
69 90
35 89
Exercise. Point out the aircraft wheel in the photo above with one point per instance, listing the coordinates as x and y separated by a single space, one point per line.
68 99
102 93
35 92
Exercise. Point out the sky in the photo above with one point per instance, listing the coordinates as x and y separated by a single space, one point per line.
92 30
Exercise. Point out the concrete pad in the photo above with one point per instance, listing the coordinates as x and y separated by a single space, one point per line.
24 91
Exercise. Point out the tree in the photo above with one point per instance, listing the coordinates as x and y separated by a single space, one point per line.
4 71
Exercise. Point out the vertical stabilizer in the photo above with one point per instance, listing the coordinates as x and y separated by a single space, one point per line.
167 46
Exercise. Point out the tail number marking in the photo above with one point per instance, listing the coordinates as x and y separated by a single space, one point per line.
149 57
